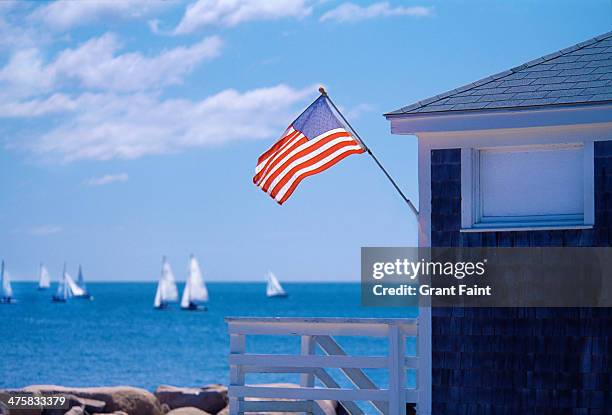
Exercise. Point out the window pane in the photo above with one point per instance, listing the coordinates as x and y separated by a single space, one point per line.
537 181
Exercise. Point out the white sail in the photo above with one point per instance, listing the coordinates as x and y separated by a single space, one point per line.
73 287
169 290
44 280
81 280
185 300
63 290
157 301
166 287
274 287
195 290
7 290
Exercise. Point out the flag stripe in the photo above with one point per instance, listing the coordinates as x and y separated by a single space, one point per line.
302 151
288 132
296 140
304 160
273 164
280 161
317 169
277 147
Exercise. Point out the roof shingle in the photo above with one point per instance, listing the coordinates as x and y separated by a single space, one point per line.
579 74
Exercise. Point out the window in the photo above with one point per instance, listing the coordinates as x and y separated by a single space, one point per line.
543 186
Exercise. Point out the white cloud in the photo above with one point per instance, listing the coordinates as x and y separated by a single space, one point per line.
233 12
13 33
349 12
107 179
54 104
66 14
97 101
43 230
96 64
357 111
111 126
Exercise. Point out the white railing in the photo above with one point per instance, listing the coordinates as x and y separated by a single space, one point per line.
320 332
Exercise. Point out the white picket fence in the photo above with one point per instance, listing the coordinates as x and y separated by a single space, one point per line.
320 332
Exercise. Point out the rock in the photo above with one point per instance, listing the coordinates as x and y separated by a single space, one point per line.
328 407
165 408
189 410
4 396
134 401
211 398
75 410
89 405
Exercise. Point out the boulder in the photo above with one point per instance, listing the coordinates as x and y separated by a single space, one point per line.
75 410
189 410
211 398
88 405
328 407
4 396
134 401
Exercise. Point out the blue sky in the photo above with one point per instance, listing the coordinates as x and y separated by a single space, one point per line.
130 130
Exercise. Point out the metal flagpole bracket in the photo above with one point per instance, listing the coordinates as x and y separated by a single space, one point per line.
367 149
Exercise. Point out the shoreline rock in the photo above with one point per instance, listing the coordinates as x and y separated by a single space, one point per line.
211 398
134 401
187 410
166 400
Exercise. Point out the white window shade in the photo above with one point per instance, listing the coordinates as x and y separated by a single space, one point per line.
540 186
532 182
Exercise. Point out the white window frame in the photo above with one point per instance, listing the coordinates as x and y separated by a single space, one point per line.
471 215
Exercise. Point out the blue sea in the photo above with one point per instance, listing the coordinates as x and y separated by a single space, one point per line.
119 339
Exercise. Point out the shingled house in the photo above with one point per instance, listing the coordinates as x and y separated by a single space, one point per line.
518 159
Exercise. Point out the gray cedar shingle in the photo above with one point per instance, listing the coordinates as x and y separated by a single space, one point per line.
565 93
530 95
462 99
542 73
591 84
496 97
519 360
523 88
579 74
601 97
576 71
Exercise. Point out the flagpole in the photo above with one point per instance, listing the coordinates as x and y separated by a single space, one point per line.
367 149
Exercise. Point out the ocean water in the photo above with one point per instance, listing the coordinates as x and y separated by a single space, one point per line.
119 339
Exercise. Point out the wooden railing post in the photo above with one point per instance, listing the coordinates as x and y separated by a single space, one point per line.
397 371
307 379
237 346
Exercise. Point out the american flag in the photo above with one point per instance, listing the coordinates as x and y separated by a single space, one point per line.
314 142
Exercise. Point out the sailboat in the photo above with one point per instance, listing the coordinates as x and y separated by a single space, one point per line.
44 280
63 293
274 288
82 288
5 287
166 287
195 292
